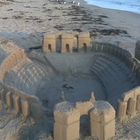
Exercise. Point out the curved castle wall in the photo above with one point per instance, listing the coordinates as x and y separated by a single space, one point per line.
129 105
11 99
120 53
16 55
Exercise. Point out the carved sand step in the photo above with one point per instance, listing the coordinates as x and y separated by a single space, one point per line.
108 66
110 70
108 80
109 77
131 75
104 70
101 77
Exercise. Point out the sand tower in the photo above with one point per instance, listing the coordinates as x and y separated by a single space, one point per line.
66 125
84 41
67 43
49 43
102 120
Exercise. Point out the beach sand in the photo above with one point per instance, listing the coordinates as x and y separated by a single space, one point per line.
25 21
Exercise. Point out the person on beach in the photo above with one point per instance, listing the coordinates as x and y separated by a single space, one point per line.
73 2
78 4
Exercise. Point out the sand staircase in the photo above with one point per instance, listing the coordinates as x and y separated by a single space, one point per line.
113 74
42 59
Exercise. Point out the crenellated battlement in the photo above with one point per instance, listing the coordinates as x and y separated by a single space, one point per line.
66 42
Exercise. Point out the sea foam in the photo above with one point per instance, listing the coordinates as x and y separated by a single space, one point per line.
125 5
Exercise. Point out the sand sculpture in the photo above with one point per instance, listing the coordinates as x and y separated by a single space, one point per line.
67 120
69 42
66 125
102 119
16 102
129 105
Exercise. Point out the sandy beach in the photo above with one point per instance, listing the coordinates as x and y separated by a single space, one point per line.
48 77
27 20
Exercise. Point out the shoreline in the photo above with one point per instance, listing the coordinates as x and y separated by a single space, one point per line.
126 9
105 25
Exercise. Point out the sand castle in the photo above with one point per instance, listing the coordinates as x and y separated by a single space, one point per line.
70 42
28 82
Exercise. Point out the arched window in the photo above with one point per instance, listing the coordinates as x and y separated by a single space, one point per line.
85 47
128 109
84 125
49 48
67 48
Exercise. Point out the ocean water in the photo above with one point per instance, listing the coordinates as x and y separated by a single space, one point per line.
125 5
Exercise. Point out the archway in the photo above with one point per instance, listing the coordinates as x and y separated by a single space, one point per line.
85 126
85 47
67 48
49 48
128 109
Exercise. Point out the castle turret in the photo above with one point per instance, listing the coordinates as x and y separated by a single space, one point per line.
102 118
49 43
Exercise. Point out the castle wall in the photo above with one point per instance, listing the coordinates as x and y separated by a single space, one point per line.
84 43
120 53
102 118
66 126
70 42
15 56
129 105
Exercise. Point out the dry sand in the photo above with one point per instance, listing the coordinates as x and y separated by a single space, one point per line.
39 16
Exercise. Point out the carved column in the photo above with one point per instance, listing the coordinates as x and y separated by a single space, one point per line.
131 108
25 109
122 111
8 101
2 100
0 103
16 104
66 126
138 103
102 121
